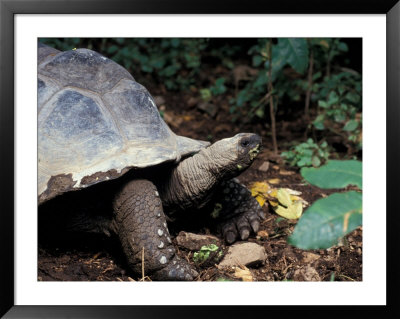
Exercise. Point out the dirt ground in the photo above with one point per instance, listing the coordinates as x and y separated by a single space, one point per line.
90 257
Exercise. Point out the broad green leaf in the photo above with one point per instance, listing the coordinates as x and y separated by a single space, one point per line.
327 220
278 62
295 52
335 174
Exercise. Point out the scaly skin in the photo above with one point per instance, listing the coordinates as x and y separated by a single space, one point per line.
196 180
140 224
239 213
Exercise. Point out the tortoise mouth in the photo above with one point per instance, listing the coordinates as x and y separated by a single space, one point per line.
254 152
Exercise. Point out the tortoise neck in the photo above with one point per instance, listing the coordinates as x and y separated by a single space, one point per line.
192 181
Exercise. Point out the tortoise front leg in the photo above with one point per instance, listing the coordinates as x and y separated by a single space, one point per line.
140 223
238 212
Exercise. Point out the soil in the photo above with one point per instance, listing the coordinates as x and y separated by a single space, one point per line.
97 258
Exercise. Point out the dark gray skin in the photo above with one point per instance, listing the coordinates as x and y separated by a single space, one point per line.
140 222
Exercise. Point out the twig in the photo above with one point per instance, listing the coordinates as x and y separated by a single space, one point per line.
271 100
142 263
347 277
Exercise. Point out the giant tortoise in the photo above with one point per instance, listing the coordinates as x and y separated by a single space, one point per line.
102 140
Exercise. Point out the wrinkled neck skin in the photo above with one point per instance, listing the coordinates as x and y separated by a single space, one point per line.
192 182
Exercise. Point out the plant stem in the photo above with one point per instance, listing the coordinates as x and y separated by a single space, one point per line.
310 83
271 100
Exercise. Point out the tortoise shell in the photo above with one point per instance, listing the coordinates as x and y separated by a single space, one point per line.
95 123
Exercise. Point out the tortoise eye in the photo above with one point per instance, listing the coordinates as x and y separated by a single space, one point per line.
245 143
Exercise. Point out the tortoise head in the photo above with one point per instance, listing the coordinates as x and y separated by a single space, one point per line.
235 154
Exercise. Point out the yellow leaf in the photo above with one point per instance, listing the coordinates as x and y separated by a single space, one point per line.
284 197
261 200
260 190
272 199
272 203
299 199
273 193
294 196
294 211
243 273
259 187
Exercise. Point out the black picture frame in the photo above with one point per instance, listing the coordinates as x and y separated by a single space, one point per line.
8 10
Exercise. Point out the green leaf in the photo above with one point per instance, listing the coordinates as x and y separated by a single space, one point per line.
112 49
319 122
257 60
295 52
335 174
204 253
327 220
350 126
333 98
353 97
304 161
205 94
322 103
316 161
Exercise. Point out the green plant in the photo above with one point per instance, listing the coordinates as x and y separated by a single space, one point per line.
328 219
340 106
218 88
307 154
207 254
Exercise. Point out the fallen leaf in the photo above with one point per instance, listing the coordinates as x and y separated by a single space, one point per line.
294 211
263 234
292 191
243 273
284 197
187 118
285 172
260 190
274 181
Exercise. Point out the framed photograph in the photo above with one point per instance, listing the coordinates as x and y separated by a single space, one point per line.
197 93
